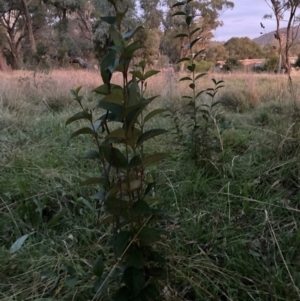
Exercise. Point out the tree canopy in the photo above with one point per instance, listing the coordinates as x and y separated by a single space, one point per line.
36 33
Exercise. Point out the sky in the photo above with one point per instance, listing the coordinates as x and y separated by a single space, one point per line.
244 20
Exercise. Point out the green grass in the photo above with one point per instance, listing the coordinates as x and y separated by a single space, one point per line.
234 219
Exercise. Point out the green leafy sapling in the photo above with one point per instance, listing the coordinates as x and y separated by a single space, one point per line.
125 182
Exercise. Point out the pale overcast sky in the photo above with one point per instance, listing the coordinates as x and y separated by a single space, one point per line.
244 20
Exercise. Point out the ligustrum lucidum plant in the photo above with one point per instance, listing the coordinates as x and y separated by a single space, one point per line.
199 111
126 192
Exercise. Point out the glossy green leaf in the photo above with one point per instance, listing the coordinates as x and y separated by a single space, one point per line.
115 35
130 34
191 67
120 241
137 73
135 162
188 21
83 131
153 113
117 133
150 236
78 116
140 207
195 30
116 109
179 13
198 53
105 89
111 20
149 160
17 245
114 157
178 4
185 78
200 75
150 134
98 266
150 73
185 59
181 35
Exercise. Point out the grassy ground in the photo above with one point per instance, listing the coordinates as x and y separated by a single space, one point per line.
234 218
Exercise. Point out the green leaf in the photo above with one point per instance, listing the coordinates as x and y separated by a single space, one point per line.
116 109
136 257
105 89
135 162
98 266
120 241
130 34
188 21
150 134
194 42
111 20
117 133
150 236
185 78
184 60
178 4
130 49
17 245
92 154
140 207
87 204
191 67
181 35
149 160
199 52
134 280
78 116
195 30
98 196
137 73
92 181
114 157
83 131
199 93
150 73
123 294
115 35
179 13
200 75
153 113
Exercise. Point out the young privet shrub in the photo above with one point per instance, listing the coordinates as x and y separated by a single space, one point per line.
126 192
200 115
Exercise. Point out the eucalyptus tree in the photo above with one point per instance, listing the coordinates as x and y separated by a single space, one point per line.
205 15
285 10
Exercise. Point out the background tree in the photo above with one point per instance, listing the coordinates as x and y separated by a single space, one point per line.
205 15
243 48
281 9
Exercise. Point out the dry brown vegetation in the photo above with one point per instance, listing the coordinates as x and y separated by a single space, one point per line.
25 91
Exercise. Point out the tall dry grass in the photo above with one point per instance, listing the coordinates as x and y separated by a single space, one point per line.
24 93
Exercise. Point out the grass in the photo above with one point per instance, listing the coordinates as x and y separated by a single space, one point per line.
234 219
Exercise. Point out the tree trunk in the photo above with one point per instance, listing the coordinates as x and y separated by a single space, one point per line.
29 27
